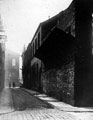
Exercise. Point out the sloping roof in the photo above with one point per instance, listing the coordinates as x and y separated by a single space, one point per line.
55 41
50 24
61 20
65 17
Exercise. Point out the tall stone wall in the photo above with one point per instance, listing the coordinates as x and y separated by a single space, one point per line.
59 83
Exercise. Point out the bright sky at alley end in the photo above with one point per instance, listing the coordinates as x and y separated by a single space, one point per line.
22 17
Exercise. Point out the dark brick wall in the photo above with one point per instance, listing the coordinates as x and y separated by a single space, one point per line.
67 20
59 83
57 78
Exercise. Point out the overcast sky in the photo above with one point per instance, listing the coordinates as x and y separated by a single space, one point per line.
22 17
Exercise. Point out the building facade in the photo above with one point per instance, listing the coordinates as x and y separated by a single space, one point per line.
2 54
61 53
11 69
49 59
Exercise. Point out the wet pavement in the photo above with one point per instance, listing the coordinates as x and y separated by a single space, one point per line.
6 101
21 104
80 112
24 100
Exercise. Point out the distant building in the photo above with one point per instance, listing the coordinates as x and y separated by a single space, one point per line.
11 69
20 70
2 54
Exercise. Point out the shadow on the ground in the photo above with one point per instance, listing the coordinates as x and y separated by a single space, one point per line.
23 100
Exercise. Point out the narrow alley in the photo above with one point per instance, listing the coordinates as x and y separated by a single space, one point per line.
46 60
17 104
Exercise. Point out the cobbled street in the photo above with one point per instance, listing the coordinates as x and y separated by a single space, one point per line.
17 104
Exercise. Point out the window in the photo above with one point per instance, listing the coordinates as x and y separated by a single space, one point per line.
13 62
36 43
33 49
38 40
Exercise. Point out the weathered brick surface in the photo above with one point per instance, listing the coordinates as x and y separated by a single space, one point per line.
67 20
60 82
57 81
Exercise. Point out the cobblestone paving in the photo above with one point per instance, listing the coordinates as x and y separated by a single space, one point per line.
37 114
28 107
80 112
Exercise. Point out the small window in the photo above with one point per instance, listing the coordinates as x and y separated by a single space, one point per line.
13 62
38 40
33 49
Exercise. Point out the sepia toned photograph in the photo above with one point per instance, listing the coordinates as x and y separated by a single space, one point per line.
46 59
